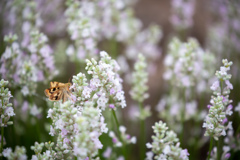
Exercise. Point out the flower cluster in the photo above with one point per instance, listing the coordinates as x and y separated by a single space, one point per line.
19 153
77 132
90 126
126 138
48 154
105 88
188 71
105 82
79 123
6 110
182 13
83 28
216 122
226 31
63 126
187 64
139 80
27 60
88 27
165 144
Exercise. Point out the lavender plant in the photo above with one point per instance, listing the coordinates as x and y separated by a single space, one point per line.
216 122
19 153
138 93
89 125
187 72
182 14
6 111
165 144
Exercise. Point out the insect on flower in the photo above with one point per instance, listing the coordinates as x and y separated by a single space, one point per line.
58 91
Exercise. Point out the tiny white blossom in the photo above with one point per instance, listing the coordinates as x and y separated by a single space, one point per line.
10 112
6 152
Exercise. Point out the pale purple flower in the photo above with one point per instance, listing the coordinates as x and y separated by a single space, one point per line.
46 51
215 86
149 155
107 152
184 154
112 91
9 111
25 106
64 132
114 140
86 92
50 111
102 100
97 143
49 62
229 110
167 149
52 131
66 140
111 106
59 124
6 152
228 155
225 121
95 83
229 84
40 75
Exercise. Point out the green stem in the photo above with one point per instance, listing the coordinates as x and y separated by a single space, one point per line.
183 117
220 141
2 132
142 135
123 143
219 148
210 148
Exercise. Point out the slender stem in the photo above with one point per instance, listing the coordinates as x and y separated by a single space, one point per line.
116 120
183 117
123 143
219 148
210 148
220 141
2 132
142 134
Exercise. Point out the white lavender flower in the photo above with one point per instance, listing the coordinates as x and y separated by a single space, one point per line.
106 82
28 59
187 64
50 153
182 13
139 80
19 153
216 121
83 28
165 144
124 138
90 126
6 110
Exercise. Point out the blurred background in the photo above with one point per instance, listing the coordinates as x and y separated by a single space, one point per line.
123 29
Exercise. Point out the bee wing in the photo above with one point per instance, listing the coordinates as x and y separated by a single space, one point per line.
66 95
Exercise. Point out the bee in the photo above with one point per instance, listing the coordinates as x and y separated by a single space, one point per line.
58 91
